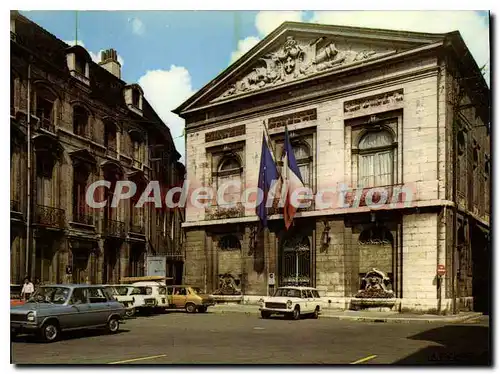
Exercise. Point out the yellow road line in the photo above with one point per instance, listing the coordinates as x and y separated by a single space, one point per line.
136 359
363 360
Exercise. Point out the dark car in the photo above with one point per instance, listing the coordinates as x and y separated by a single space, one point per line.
63 307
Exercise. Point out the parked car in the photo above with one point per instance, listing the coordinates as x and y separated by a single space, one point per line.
155 290
56 308
120 293
190 298
292 302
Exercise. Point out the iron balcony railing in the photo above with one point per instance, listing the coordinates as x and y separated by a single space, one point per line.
221 211
137 228
49 216
46 124
111 151
277 209
15 206
114 228
85 218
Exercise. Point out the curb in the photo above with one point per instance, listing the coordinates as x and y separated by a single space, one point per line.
402 319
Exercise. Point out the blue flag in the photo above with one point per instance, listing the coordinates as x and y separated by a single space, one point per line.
267 173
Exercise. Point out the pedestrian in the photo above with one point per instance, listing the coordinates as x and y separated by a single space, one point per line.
28 289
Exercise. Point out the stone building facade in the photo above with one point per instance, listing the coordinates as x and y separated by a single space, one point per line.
81 123
366 108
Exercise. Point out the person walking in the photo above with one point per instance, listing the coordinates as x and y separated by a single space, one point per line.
27 290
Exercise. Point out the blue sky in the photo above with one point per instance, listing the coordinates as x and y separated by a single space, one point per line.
171 54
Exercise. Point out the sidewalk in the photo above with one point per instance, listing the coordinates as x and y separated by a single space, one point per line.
352 315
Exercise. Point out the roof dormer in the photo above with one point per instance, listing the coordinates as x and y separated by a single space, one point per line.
133 98
78 61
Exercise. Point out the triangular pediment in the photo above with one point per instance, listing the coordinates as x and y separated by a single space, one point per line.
295 52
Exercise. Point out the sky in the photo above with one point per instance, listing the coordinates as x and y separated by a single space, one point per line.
172 54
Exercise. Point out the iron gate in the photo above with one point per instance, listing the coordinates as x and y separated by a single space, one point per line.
296 263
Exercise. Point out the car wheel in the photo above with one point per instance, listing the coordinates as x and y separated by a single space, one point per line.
265 314
50 332
316 313
190 308
202 309
296 313
113 325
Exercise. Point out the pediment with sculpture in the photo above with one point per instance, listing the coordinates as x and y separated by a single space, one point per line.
300 58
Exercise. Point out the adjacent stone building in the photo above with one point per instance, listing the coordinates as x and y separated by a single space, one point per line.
364 107
81 123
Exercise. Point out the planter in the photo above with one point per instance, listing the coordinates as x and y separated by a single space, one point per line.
228 299
375 304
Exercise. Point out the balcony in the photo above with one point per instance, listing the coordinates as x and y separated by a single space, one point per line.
46 124
137 229
224 212
114 228
13 36
394 194
49 216
83 218
111 152
276 209
15 206
136 164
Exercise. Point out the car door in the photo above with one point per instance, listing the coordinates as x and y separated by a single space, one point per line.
79 311
180 297
100 306
305 304
170 292
311 305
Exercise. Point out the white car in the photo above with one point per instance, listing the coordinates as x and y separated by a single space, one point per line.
121 294
292 302
155 293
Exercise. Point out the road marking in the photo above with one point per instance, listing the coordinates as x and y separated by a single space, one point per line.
363 360
136 359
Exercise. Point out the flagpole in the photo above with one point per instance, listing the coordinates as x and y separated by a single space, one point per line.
76 27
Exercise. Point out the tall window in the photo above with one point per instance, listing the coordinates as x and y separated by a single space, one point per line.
376 159
110 138
12 93
462 163
80 177
136 97
80 121
303 157
230 171
45 107
80 65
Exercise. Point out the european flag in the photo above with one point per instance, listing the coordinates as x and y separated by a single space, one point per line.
267 174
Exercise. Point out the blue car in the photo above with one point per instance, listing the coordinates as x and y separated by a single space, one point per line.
64 307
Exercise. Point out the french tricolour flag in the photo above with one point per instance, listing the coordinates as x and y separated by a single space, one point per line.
292 180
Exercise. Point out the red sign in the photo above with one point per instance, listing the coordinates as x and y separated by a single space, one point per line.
441 270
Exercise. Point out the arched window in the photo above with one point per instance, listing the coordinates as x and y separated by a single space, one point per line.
229 179
80 120
136 98
376 159
80 178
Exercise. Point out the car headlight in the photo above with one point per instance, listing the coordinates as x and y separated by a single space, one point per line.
31 316
289 304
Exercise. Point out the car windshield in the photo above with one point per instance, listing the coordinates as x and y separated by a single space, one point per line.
122 291
112 291
53 295
287 292
142 291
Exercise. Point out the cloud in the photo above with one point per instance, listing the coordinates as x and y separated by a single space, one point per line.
138 27
165 90
472 26
96 57
244 46
265 22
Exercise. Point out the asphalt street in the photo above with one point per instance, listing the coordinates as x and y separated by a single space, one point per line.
178 338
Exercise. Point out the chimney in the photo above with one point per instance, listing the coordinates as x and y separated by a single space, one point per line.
109 61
